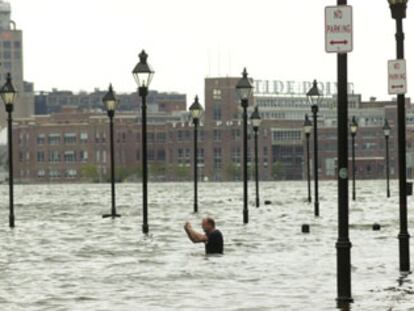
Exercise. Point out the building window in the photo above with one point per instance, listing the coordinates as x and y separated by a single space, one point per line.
53 139
161 137
40 156
17 44
217 158
7 44
200 157
235 155
71 173
54 173
83 156
7 55
151 155
54 156
70 156
41 139
161 155
69 138
217 135
83 137
41 173
236 134
216 112
138 155
217 94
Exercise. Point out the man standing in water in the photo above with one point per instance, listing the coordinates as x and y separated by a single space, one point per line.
212 237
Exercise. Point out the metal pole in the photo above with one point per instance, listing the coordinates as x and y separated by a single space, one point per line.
308 167
387 164
111 127
143 92
353 168
10 143
404 236
256 152
195 165
315 157
245 173
343 244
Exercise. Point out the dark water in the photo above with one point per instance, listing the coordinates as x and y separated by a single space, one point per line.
63 256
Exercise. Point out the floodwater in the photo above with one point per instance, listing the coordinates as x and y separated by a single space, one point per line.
63 256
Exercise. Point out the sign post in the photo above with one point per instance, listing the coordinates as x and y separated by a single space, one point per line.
338 29
397 77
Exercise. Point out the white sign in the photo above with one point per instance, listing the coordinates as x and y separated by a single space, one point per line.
397 77
338 29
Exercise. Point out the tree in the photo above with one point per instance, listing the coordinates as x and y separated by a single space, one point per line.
89 172
278 170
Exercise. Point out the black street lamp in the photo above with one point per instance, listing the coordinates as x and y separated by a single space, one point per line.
196 110
8 95
308 129
387 133
398 11
244 90
143 74
315 97
343 244
110 103
256 121
354 130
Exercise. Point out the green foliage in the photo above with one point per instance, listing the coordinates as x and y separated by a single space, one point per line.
89 172
278 170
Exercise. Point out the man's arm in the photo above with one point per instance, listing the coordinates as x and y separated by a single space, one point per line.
194 236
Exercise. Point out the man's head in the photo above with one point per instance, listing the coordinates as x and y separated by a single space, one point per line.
208 224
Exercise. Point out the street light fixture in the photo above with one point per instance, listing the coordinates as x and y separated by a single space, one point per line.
308 129
196 110
143 75
399 12
111 103
315 96
8 95
256 121
244 90
387 133
354 130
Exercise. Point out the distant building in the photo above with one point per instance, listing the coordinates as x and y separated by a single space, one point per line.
11 59
54 101
72 145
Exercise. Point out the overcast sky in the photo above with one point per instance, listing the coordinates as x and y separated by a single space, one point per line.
83 44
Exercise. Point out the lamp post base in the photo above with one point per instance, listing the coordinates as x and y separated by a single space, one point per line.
245 216
316 208
343 303
11 221
404 244
111 216
257 203
145 228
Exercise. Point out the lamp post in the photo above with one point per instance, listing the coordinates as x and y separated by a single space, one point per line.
143 74
256 121
110 103
314 97
387 132
244 90
308 129
398 11
8 95
343 244
354 130
196 110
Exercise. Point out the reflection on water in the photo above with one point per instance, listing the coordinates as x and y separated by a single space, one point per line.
63 256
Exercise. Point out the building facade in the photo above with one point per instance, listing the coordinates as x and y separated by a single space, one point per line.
72 145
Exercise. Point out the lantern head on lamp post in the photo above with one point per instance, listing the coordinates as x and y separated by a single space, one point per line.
354 126
143 75
315 96
196 110
386 129
256 121
110 102
307 126
244 90
398 8
8 95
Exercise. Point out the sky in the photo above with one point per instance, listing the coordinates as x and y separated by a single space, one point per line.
86 44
